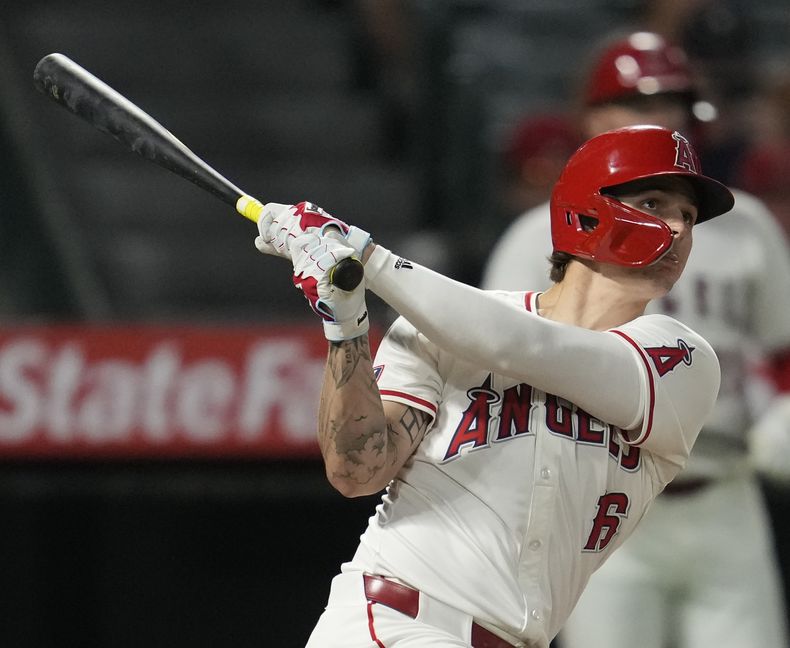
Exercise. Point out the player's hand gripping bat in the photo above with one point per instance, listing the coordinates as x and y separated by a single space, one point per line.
81 93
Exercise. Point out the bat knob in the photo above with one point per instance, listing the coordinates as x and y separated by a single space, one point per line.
347 274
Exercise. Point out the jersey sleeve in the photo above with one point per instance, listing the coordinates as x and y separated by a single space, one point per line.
485 329
406 368
680 383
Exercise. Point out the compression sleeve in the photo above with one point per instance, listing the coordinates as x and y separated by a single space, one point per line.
598 371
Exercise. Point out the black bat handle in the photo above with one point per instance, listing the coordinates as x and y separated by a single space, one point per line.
347 274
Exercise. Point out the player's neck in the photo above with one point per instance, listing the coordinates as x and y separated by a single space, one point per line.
591 300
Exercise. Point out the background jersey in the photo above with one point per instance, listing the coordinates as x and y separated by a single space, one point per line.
514 496
742 308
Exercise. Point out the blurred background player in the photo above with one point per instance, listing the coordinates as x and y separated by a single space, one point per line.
701 571
538 147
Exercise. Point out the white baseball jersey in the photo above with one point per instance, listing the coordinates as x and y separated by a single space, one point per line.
735 291
515 496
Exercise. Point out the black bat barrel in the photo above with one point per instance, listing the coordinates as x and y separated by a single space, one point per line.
83 94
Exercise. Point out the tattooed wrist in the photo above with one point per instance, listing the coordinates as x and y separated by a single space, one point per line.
345 356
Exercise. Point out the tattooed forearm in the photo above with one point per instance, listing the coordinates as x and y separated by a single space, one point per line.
367 455
351 424
363 443
344 357
361 458
359 448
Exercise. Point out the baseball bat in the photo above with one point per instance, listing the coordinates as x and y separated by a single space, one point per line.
80 92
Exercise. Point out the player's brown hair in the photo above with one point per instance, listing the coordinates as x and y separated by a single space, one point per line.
559 263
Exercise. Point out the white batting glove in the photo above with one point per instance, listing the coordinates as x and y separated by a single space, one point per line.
345 313
280 225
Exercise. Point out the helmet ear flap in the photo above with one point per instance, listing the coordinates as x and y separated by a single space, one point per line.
616 234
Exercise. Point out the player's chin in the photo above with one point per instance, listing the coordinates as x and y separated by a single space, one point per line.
663 275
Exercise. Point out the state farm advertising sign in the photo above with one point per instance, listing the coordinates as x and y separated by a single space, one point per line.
159 392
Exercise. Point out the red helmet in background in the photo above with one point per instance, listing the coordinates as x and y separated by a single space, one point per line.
640 64
587 223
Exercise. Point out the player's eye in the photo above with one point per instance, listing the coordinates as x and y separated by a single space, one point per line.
650 203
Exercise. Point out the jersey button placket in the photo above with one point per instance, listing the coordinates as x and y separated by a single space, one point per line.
544 496
545 474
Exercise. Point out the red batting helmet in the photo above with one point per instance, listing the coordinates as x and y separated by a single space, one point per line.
587 223
640 64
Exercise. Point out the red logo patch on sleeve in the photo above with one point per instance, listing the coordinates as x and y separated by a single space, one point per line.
666 358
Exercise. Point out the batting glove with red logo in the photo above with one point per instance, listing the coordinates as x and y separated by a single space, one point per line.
280 225
345 313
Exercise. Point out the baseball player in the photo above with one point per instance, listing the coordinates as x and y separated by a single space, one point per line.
702 566
520 436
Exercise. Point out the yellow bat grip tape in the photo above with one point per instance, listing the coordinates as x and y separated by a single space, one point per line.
249 207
